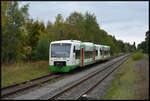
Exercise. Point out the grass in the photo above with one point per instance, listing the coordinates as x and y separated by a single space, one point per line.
121 86
53 80
23 71
117 54
146 57
40 85
127 84
142 83
137 56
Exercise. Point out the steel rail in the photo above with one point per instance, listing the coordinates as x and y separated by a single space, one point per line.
24 82
10 90
99 82
80 82
14 88
13 85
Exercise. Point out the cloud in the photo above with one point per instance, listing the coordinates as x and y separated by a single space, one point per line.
128 21
127 31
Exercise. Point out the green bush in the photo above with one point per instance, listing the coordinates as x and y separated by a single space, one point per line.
138 55
42 49
146 57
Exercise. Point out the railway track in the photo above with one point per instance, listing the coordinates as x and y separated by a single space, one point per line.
22 86
85 93
12 89
74 92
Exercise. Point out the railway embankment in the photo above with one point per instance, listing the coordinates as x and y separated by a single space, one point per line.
20 72
131 81
50 89
16 73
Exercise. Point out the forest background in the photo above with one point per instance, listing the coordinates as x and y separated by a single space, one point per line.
25 39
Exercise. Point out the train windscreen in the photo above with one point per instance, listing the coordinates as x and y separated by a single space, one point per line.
60 50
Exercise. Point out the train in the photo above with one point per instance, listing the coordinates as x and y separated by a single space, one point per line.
66 55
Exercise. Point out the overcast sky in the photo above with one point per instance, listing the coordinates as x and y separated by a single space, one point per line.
127 21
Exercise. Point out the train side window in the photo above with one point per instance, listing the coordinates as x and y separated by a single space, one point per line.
91 54
101 51
85 54
88 54
74 49
77 54
104 52
96 53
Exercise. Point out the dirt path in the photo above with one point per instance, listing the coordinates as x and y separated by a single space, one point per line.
142 83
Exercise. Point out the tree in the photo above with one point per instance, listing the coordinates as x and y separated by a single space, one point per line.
49 25
134 46
58 28
50 31
59 19
76 20
144 45
91 28
126 47
42 49
147 35
35 31
4 6
13 41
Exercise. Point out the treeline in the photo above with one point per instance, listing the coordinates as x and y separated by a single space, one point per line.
144 45
24 39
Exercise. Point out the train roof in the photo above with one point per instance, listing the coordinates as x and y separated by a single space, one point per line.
77 41
66 41
89 43
105 47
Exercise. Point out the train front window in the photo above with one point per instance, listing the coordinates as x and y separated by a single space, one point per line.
60 50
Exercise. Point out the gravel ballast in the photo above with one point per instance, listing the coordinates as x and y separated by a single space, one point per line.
51 89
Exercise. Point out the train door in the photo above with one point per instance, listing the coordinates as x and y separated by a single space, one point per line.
93 55
82 57
74 55
103 53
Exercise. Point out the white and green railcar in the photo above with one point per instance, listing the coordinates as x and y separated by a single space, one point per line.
66 55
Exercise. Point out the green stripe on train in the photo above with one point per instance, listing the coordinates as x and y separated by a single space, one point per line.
62 69
68 68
